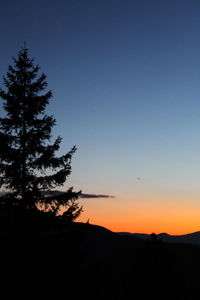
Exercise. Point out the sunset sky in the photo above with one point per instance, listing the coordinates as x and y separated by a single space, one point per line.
125 76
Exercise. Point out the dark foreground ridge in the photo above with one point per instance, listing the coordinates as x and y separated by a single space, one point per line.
44 258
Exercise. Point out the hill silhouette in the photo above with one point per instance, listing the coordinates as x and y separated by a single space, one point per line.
191 238
45 258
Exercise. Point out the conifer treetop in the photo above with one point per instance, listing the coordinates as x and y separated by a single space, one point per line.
28 161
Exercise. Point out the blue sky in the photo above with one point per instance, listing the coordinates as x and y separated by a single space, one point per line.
125 77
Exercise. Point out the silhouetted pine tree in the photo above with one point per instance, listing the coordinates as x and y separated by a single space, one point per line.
28 164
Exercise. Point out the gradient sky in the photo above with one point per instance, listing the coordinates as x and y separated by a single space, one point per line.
125 75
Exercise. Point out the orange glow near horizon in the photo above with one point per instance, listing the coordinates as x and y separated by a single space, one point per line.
144 214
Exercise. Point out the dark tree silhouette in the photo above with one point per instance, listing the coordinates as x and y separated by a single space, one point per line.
28 163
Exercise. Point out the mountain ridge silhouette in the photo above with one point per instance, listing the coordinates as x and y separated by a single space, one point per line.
85 261
189 238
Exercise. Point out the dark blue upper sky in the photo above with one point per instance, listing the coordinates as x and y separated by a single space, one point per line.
125 76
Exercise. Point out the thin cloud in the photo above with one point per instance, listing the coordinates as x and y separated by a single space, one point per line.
96 196
57 192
